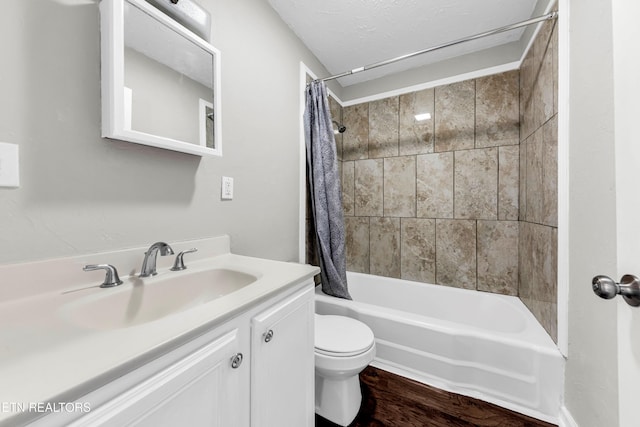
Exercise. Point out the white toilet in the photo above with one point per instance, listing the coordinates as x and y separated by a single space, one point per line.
343 348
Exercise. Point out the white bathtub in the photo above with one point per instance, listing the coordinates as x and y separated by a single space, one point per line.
478 344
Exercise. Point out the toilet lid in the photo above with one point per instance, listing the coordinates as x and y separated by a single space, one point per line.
342 335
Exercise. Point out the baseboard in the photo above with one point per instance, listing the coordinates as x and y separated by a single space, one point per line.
565 419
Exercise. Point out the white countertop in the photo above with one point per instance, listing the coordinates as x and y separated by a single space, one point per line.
44 355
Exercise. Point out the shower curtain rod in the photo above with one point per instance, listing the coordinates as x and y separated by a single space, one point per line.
548 16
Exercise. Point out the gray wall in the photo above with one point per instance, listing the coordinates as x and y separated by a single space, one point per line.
80 193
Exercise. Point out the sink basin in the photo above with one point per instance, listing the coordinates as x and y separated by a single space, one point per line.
136 302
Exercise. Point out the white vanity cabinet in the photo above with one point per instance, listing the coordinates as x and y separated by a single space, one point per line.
282 363
229 376
202 389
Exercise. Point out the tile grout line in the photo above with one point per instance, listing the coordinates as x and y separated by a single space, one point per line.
475 126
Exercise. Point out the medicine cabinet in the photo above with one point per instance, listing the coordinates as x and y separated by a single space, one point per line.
160 81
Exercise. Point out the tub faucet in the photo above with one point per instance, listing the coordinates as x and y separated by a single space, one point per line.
149 263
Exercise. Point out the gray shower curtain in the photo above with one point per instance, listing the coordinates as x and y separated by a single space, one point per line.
326 197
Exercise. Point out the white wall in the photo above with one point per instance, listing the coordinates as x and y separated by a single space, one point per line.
80 193
486 62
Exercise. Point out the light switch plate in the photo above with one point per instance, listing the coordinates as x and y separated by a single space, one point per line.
9 165
227 188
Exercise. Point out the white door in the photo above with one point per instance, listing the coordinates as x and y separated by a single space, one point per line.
601 77
626 66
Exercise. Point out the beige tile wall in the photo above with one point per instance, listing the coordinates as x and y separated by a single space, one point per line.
539 178
436 200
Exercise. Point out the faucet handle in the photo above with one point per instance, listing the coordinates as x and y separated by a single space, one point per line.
111 277
179 263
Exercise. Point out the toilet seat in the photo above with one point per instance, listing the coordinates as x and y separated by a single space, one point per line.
350 354
341 336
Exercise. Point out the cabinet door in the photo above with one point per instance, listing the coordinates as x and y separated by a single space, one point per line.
202 389
282 363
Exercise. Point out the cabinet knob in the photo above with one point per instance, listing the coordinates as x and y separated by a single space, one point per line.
236 361
268 336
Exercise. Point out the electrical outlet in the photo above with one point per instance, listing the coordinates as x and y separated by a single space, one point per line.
227 188
9 170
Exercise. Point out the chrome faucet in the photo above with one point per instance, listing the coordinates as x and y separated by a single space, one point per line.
149 263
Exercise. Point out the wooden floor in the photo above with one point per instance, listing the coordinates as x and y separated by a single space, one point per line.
391 400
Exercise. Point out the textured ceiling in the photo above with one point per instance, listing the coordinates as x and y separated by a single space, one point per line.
347 34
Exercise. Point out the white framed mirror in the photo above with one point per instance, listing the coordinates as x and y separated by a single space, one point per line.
160 81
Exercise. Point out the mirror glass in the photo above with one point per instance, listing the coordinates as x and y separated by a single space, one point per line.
164 83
